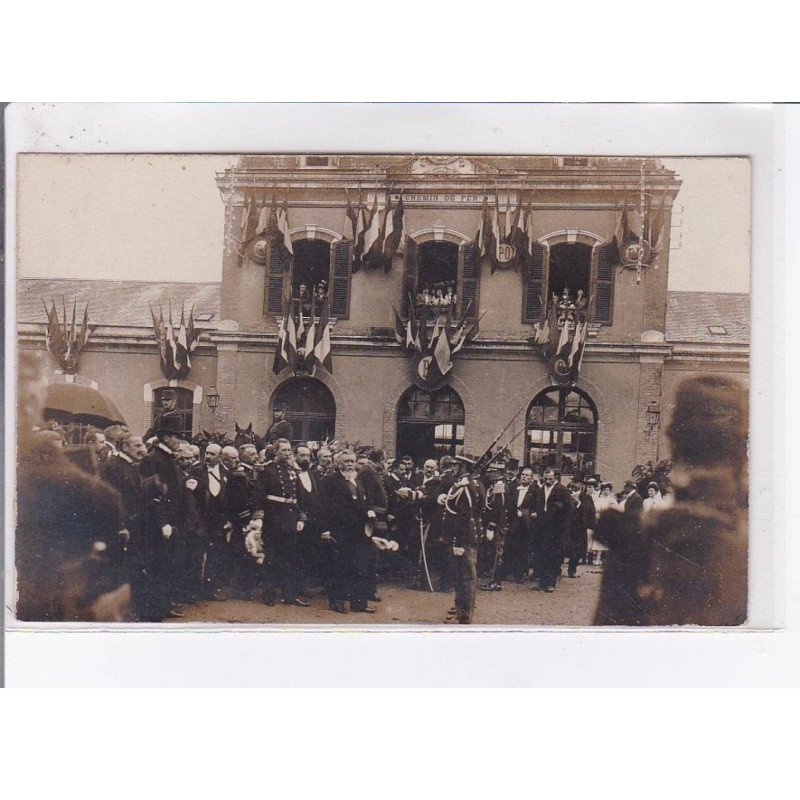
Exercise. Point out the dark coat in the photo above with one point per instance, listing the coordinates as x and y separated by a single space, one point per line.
688 563
169 507
279 430
242 497
125 477
583 518
61 512
465 501
344 509
521 518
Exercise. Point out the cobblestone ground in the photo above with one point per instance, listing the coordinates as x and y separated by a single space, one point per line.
573 603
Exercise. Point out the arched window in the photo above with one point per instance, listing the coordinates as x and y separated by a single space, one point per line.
168 399
310 408
562 431
429 424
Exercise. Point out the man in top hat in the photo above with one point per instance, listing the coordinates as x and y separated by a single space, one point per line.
281 428
164 517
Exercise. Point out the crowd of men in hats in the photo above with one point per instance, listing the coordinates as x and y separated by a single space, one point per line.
175 525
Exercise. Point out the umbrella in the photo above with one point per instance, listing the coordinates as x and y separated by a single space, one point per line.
73 402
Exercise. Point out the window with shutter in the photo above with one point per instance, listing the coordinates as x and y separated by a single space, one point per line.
339 284
278 268
410 267
469 274
603 258
534 294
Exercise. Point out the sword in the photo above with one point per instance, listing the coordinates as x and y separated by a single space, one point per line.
422 539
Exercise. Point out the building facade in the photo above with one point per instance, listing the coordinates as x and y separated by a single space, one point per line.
642 338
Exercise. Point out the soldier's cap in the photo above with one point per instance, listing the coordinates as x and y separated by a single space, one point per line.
446 461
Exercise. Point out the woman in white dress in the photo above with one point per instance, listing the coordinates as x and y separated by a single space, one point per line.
654 500
603 501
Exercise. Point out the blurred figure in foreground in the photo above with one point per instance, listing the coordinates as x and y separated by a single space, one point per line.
67 524
687 565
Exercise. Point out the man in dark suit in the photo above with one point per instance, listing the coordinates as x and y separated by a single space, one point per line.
122 472
212 477
347 514
554 507
521 510
583 517
370 476
309 556
164 517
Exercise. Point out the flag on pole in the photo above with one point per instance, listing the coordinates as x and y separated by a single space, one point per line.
576 341
400 329
372 239
441 352
322 340
481 234
182 346
395 231
350 220
172 347
283 227
656 226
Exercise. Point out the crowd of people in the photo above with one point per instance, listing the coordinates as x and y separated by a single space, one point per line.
137 529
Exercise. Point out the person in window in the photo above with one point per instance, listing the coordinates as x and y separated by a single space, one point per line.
281 428
322 291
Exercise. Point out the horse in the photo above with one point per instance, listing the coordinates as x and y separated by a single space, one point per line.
247 436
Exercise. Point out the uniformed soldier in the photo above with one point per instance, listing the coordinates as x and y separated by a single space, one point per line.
282 523
462 504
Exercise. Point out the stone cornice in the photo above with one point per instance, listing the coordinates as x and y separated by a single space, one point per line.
141 339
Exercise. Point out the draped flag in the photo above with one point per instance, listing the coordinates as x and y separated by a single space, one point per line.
373 246
174 348
350 220
311 336
286 350
395 232
433 353
66 344
283 227
322 341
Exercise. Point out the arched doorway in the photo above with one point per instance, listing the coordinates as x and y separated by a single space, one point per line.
429 424
562 431
310 408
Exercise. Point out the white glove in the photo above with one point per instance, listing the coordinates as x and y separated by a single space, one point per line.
381 544
300 526
441 499
166 531
191 484
459 551
393 545
255 524
370 514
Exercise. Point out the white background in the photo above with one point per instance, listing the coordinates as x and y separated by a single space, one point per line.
464 744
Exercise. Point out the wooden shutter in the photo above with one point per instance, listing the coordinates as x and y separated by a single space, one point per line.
469 276
410 267
534 293
339 283
602 282
278 268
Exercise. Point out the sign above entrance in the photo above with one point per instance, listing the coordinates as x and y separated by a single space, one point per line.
439 198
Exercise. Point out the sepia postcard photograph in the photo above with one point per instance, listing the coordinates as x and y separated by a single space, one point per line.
346 388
